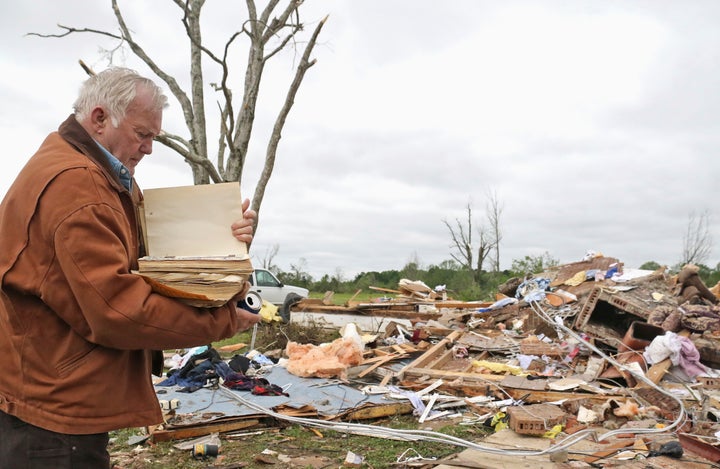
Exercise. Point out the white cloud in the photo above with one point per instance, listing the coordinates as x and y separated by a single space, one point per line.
595 123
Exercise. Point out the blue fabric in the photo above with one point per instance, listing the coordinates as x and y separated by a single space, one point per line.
533 289
198 376
499 304
120 170
195 378
591 274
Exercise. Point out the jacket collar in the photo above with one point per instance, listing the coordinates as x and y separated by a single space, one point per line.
72 132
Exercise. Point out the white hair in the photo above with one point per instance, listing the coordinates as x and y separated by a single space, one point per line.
114 89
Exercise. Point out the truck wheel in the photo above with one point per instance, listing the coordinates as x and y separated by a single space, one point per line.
284 310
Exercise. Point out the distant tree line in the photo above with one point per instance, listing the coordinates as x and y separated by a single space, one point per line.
473 272
460 283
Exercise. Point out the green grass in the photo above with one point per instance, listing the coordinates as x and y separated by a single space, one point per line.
296 440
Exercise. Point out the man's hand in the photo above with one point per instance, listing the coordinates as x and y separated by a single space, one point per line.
246 319
243 229
243 293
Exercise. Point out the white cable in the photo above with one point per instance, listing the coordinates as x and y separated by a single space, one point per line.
406 435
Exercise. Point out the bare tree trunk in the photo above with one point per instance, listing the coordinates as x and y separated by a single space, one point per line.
494 214
462 244
461 237
483 251
697 242
199 141
270 253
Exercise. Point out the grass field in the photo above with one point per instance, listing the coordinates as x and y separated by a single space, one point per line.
297 446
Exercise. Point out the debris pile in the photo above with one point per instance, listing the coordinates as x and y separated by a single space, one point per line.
589 362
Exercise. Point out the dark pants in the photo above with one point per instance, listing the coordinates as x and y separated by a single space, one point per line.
24 446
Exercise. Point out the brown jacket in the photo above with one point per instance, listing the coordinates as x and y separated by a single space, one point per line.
76 326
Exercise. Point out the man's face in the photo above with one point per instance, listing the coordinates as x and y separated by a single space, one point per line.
133 137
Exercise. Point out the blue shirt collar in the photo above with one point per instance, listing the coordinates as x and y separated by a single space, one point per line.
120 170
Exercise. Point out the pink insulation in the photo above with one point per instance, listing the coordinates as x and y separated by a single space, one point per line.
325 361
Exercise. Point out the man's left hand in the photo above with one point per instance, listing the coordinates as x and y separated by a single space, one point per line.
243 229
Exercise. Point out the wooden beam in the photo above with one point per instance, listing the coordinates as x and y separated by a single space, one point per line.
386 290
431 353
611 449
380 363
353 297
378 411
442 359
453 375
656 372
202 430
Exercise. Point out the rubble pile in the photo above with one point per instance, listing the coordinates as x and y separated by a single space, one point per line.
585 365
586 347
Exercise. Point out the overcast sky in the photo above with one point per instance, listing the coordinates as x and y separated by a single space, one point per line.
596 123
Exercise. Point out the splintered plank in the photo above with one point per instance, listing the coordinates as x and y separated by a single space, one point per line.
386 290
377 411
352 298
379 363
431 353
609 450
453 375
657 372
195 431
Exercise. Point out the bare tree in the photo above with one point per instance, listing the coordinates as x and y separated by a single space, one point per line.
299 271
268 32
494 213
461 236
697 241
411 268
463 250
339 275
267 260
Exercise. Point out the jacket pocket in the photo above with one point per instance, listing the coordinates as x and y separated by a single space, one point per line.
65 367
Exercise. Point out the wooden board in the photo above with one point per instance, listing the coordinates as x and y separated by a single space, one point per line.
195 431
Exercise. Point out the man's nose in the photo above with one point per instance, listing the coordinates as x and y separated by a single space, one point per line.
146 146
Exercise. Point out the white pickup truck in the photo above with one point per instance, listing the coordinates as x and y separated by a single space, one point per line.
272 290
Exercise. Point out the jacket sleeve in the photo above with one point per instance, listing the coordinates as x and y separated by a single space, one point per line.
90 286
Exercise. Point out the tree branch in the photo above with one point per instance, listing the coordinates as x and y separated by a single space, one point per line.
271 151
175 88
71 30
171 141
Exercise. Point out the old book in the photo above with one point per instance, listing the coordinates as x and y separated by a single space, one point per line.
192 254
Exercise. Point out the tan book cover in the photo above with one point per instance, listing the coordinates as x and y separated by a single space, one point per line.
192 254
193 221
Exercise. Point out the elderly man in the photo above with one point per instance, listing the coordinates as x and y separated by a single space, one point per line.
76 326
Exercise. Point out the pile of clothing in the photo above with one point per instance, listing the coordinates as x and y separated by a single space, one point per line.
203 367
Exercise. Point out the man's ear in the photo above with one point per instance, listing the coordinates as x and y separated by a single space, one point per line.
99 119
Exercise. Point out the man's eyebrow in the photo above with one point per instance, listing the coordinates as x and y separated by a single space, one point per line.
144 131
